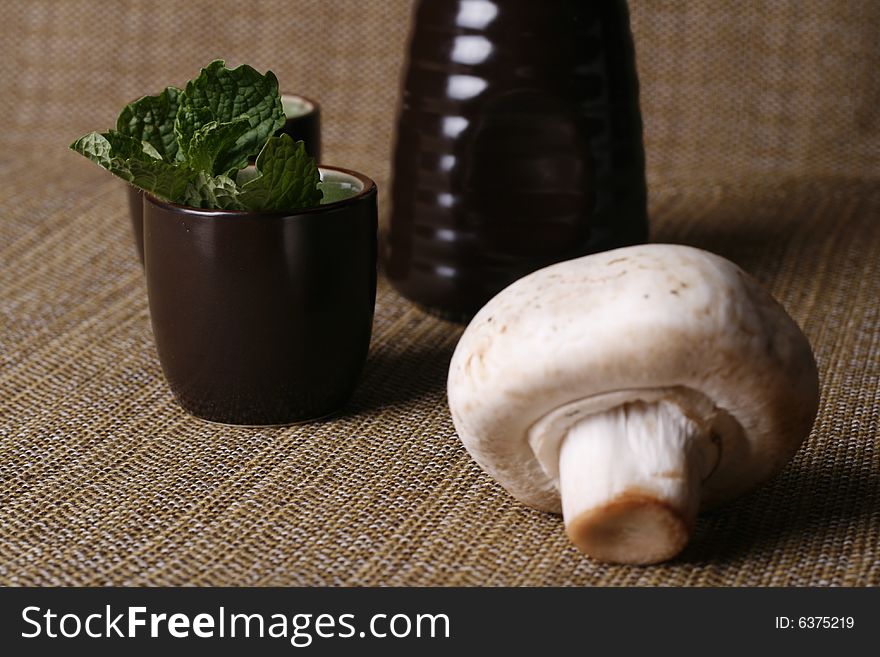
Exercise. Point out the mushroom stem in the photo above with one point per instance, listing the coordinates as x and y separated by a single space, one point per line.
630 480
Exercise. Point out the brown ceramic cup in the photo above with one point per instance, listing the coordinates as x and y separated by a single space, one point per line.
303 122
264 318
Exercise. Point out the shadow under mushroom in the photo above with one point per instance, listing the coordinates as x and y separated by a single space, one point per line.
803 505
396 374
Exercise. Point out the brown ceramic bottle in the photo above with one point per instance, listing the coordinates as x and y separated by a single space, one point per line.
519 144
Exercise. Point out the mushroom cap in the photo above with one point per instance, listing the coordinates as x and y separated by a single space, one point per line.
649 322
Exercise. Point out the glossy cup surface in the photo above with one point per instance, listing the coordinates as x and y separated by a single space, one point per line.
303 123
262 318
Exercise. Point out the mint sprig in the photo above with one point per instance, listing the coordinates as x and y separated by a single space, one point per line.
223 95
287 177
151 119
208 148
219 192
188 146
135 162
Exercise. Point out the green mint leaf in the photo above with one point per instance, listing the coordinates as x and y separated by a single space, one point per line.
288 178
191 146
163 180
221 94
151 119
189 119
151 151
103 148
219 192
94 146
128 158
210 145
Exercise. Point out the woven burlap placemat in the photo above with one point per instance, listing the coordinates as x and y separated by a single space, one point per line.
763 146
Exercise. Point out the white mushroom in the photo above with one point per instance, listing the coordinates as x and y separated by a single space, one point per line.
629 389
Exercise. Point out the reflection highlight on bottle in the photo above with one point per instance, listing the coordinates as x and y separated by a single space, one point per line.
463 87
476 13
447 162
445 200
469 49
453 126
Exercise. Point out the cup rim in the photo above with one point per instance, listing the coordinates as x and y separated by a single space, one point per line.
314 106
368 187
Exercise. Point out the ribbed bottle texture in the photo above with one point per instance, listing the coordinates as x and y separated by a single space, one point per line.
519 144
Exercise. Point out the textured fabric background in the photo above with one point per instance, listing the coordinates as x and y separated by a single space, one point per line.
763 143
